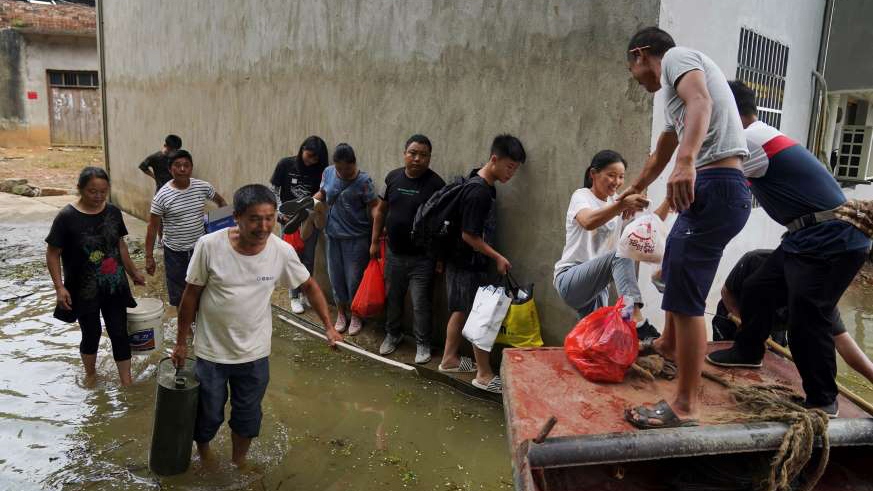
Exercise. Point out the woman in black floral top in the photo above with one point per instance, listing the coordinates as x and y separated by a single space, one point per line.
88 238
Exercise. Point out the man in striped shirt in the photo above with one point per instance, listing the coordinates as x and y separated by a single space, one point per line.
178 206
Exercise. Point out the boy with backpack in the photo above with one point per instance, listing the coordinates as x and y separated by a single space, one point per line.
467 269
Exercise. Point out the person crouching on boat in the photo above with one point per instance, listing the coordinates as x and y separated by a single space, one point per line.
231 276
817 260
593 224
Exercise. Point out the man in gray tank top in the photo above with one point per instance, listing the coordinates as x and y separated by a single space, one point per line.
706 187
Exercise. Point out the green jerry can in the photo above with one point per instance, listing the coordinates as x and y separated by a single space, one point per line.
175 410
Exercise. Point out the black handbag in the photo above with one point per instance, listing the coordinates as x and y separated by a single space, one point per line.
65 315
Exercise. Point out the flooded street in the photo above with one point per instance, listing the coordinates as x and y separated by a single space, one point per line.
332 421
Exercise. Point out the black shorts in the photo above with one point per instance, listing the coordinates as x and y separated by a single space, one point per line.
461 287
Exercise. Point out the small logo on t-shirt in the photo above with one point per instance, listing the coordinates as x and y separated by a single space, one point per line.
265 278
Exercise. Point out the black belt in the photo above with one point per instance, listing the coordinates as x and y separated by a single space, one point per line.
810 220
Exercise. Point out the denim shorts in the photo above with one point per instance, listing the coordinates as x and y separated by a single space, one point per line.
722 204
248 384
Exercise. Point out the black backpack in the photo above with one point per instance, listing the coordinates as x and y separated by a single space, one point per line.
437 224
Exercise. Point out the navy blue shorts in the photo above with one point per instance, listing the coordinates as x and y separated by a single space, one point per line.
248 384
722 204
176 268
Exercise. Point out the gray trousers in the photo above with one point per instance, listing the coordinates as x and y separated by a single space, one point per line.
584 287
413 273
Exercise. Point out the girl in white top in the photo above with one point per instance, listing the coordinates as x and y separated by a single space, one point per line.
593 224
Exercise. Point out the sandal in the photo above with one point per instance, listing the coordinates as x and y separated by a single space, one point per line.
647 347
661 412
466 366
495 385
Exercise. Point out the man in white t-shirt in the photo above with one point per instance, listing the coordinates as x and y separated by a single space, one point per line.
178 208
231 277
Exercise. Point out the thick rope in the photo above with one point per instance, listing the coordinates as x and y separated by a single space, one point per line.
778 403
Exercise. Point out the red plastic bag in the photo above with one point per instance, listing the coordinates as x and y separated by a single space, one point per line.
370 298
295 240
603 345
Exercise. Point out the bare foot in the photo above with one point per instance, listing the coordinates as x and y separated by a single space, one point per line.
88 381
666 351
208 460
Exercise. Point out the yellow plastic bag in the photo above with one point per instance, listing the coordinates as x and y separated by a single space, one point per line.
521 327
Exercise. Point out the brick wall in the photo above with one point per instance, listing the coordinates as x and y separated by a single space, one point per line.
49 18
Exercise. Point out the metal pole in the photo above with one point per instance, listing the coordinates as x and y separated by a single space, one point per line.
613 448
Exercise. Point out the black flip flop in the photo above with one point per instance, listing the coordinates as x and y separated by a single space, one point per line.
662 412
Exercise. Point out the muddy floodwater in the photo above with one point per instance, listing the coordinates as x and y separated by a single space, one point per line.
332 421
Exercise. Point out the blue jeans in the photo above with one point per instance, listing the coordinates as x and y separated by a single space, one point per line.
248 384
307 256
346 261
722 204
413 273
584 287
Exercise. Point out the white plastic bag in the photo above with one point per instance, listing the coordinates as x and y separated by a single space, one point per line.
486 316
643 239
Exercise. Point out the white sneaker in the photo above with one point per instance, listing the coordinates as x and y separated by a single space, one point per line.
422 353
305 300
355 326
340 325
297 305
389 345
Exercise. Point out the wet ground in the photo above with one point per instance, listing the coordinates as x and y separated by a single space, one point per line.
331 420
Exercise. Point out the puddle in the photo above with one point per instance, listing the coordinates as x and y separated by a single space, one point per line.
332 421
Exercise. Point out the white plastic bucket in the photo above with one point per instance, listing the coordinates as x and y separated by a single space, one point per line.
144 324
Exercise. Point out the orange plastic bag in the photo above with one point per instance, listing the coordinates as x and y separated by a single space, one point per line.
603 345
370 298
295 240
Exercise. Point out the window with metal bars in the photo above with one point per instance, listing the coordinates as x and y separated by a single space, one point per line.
73 79
762 64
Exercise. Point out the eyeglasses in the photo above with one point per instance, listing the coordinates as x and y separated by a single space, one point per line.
638 50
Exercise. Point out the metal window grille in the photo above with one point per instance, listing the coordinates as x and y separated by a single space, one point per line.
73 79
762 64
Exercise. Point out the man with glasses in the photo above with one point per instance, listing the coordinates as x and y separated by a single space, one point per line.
408 267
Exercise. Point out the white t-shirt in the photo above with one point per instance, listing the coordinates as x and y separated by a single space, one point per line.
181 212
581 244
234 321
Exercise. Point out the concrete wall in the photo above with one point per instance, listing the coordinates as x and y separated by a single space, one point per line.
850 61
714 28
37 54
244 82
11 107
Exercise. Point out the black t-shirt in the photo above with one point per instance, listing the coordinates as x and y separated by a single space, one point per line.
160 166
296 180
90 256
478 217
403 196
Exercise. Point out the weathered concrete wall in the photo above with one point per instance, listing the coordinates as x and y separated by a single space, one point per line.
52 52
11 107
850 62
243 82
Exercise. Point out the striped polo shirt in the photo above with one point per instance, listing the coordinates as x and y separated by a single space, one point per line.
181 211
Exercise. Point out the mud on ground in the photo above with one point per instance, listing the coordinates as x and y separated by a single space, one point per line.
56 167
